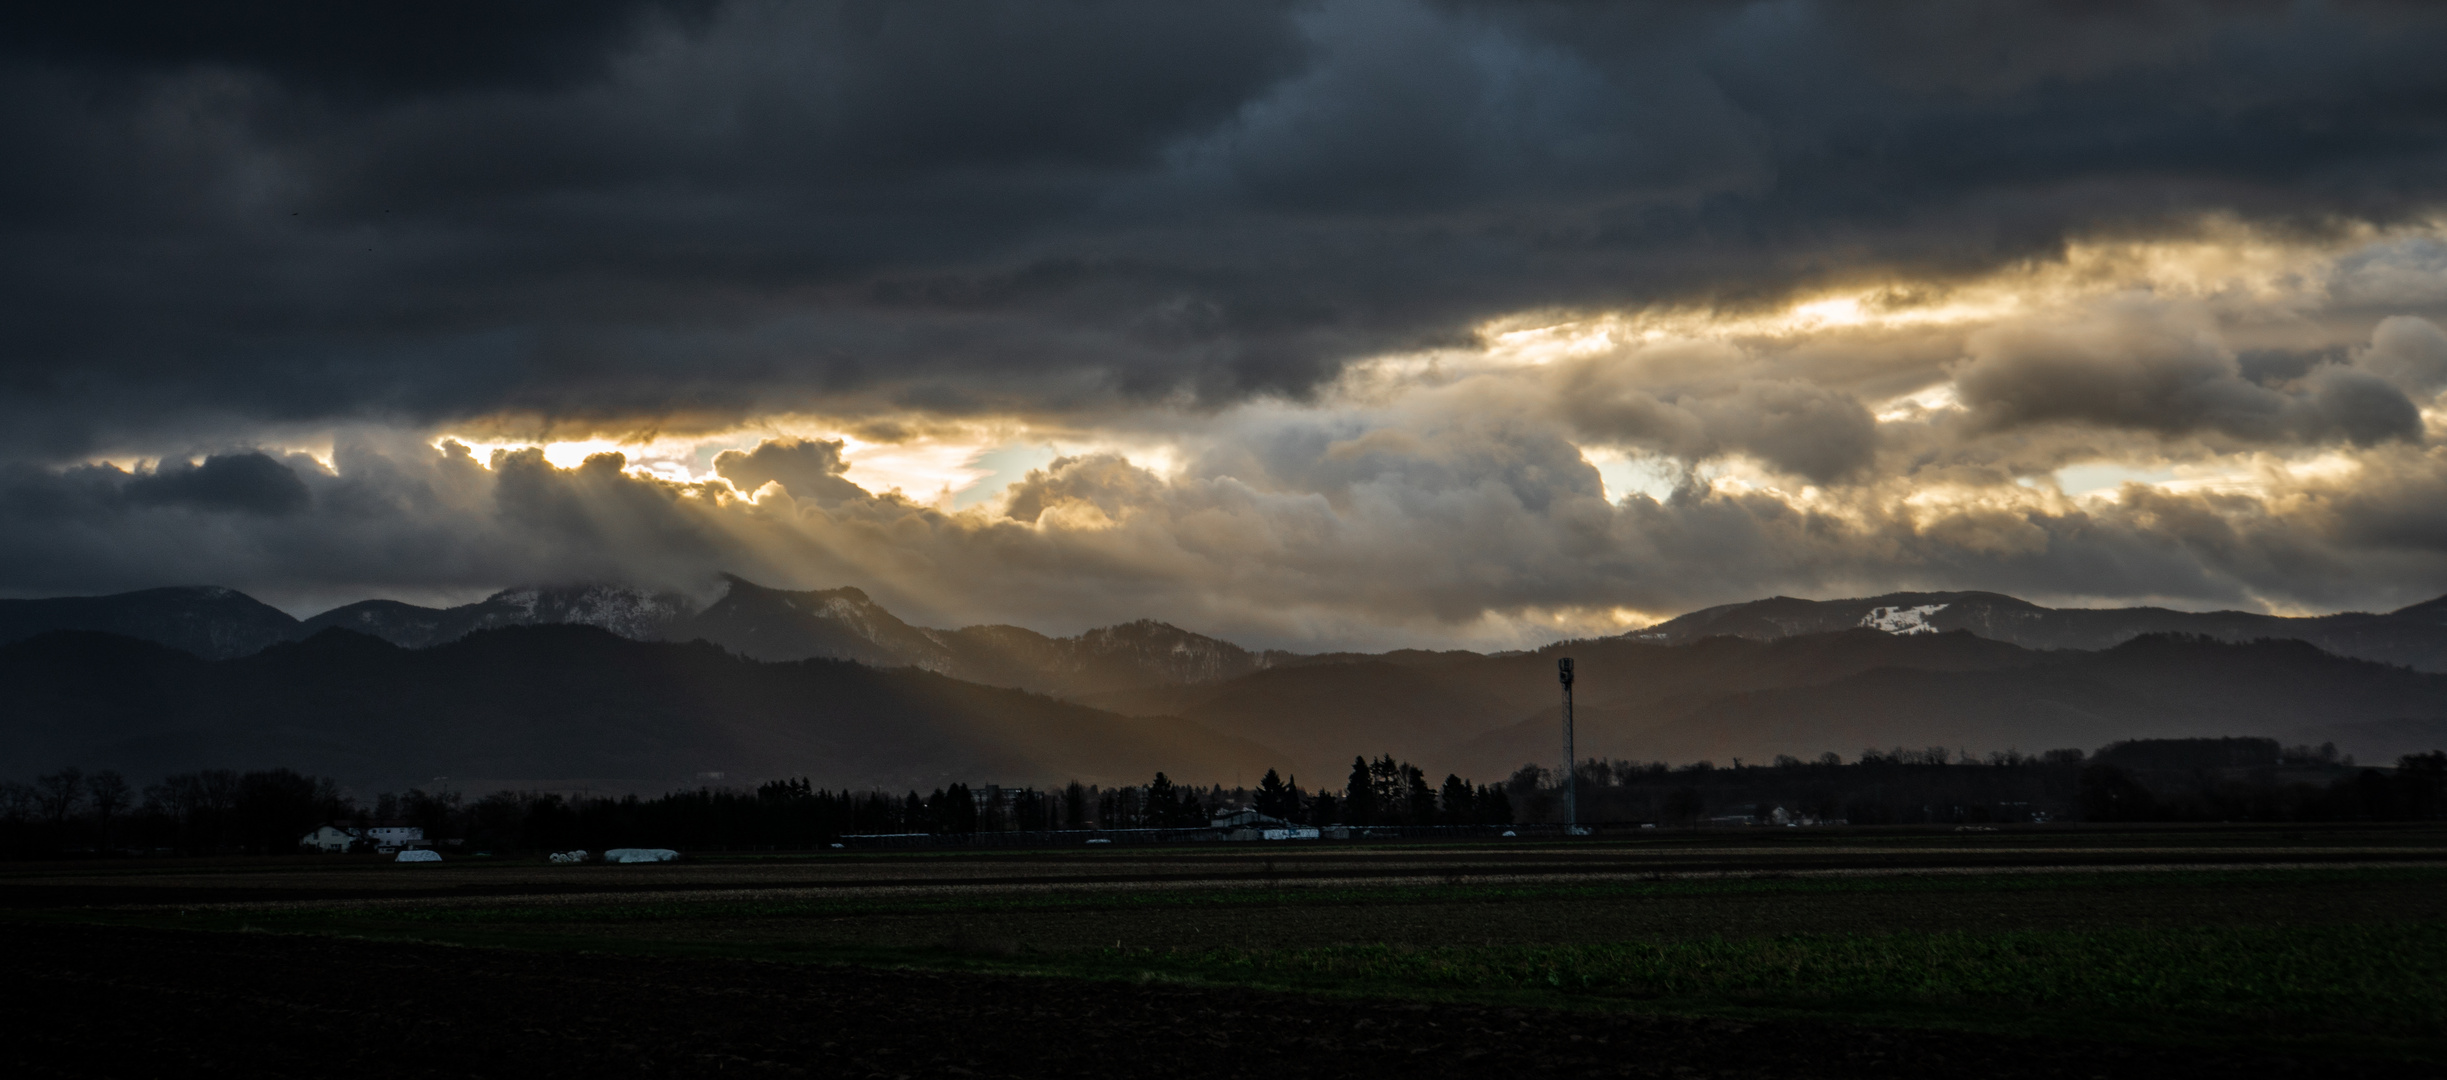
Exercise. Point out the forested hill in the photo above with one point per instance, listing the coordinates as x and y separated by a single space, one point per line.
562 705
204 620
1725 697
2153 687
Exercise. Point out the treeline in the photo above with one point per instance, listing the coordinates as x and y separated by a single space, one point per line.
2170 780
208 811
270 811
1930 785
1384 792
796 814
2415 790
71 812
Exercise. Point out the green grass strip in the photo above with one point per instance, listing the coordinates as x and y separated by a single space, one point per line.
2386 980
580 908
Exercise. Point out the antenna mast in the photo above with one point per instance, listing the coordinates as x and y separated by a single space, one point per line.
1571 801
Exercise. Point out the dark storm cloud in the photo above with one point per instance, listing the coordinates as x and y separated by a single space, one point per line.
806 468
249 483
2039 243
1804 429
2140 366
379 48
216 216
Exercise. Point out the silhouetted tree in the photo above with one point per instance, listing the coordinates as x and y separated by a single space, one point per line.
1074 806
198 807
276 807
1169 808
1460 804
436 813
1390 795
109 795
1325 809
57 795
952 811
1277 799
962 810
1683 805
1418 799
1359 795
1494 806
2110 793
2422 783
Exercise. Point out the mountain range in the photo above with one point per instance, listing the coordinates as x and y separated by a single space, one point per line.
2414 637
561 707
628 689
844 624
749 619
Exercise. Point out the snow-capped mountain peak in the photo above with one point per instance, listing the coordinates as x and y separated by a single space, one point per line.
1903 620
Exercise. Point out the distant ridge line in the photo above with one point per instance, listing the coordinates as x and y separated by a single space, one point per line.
846 623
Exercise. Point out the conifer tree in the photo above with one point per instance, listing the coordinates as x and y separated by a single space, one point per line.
1325 809
1275 799
1385 778
1494 805
1164 809
1460 804
1074 806
1418 799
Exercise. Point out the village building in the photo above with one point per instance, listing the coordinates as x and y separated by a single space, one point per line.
331 838
388 838
1251 825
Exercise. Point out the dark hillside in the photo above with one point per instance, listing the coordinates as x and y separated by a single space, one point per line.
1439 711
561 705
65 686
1323 715
2152 687
207 621
565 705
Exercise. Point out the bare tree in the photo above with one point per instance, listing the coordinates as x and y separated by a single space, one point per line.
200 803
109 794
58 794
17 801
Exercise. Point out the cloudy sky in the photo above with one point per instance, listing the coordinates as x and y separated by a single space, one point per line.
1348 324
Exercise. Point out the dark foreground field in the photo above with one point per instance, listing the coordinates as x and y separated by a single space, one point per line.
85 1002
1842 953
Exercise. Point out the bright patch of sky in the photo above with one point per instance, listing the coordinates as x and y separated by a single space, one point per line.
2106 476
1917 405
999 468
952 473
2254 475
924 470
1626 474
